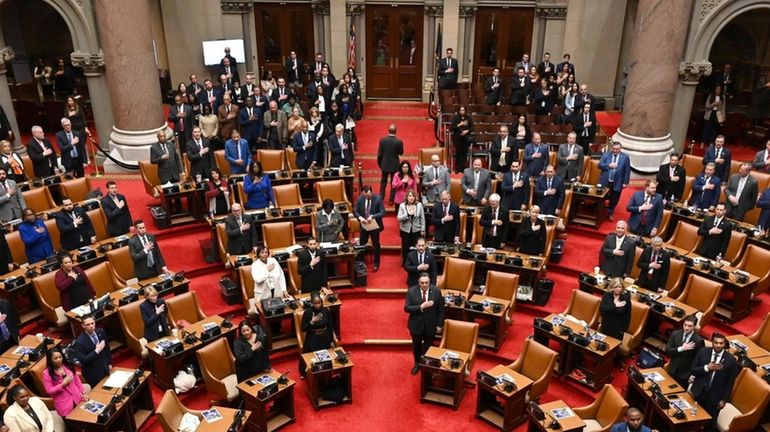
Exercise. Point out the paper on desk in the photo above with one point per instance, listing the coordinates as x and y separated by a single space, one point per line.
292 248
654 376
449 355
681 404
560 413
118 378
325 245
81 310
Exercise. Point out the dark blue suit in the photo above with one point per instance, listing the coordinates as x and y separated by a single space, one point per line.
250 129
764 204
549 203
155 326
623 427
95 366
536 166
642 222
304 156
203 98
335 148
709 388
721 170
231 154
616 179
705 198
513 199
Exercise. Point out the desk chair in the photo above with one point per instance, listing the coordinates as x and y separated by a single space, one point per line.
278 235
58 421
247 289
566 206
103 279
685 236
693 165
755 261
477 232
99 222
761 336
150 179
272 160
49 300
428 152
665 221
536 362
633 336
735 247
221 162
634 268
122 264
457 275
689 181
607 409
747 403
16 245
39 199
504 286
29 167
77 189
222 241
184 307
704 298
584 307
287 195
170 412
53 232
295 279
456 189
133 328
332 189
461 336
217 364
592 172
675 277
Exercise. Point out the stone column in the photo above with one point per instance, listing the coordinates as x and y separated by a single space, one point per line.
652 82
338 32
6 55
92 65
125 34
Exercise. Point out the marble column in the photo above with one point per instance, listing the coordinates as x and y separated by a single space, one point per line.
6 101
92 65
125 34
656 53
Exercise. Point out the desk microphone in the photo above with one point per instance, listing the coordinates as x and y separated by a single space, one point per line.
283 379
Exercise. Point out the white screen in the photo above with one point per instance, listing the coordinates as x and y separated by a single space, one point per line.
214 50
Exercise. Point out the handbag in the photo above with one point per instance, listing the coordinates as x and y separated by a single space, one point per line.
649 358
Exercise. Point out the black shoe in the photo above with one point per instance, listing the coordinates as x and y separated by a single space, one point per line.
415 369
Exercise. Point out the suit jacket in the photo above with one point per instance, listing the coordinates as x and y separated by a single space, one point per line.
11 206
389 153
231 154
339 156
250 128
446 231
305 157
712 391
66 147
569 169
276 93
433 192
313 278
747 199
226 126
617 266
668 187
139 256
521 64
515 197
447 79
73 237
520 89
494 95
490 239
155 326
42 165
293 75
532 242
622 173
496 151
549 203
240 242
536 166
411 263
376 209
118 219
705 198
657 279
168 169
18 420
234 76
484 188
212 98
681 361
281 130
199 164
759 161
329 232
183 124
643 222
764 203
584 132
581 100
721 170
11 321
543 73
95 366
623 427
424 321
714 244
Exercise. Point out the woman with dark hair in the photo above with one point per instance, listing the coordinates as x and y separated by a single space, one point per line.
329 222
63 79
62 382
26 413
411 222
318 329
72 282
267 83
34 234
181 90
218 193
250 349
77 116
346 101
403 181
196 108
319 101
534 81
257 187
521 133
615 308
543 98
269 280
334 116
209 124
462 136
714 115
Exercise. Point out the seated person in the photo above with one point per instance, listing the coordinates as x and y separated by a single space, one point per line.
269 280
250 349
26 413
532 233
148 260
257 187
75 227
62 382
34 234
93 352
329 222
318 329
154 315
74 287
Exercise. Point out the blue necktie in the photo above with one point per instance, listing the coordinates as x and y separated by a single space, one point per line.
5 332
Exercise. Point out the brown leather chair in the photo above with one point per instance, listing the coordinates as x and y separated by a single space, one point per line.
687 191
477 232
755 261
291 159
704 298
536 362
53 232
457 275
295 279
247 289
735 247
103 279
634 269
503 285
221 162
184 307
676 271
39 199
633 336
49 300
332 189
17 247
99 221
36 372
242 197
585 307
593 171
456 189
665 221
218 369
272 160
29 167
461 336
278 235
122 264
607 409
685 236
747 403
761 336
186 162
77 189
566 207
427 152
150 179
133 328
287 195
170 412
222 240
693 165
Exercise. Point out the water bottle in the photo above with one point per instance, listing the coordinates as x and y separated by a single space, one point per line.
485 303
685 204
694 409
719 258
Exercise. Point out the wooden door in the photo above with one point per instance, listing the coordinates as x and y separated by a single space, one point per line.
281 30
394 54
502 36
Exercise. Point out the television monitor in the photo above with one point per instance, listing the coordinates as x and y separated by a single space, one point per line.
214 50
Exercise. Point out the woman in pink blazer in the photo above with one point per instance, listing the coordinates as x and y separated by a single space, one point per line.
403 181
62 383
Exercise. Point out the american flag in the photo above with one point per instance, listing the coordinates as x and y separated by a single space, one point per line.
352 52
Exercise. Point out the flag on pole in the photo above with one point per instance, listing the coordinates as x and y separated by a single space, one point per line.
438 43
352 51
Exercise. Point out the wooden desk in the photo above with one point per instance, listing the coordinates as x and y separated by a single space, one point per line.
443 385
504 410
22 297
589 207
528 270
172 203
28 341
753 351
496 320
166 368
566 424
273 412
318 380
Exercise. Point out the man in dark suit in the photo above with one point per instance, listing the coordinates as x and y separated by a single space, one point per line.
166 158
75 227
241 233
706 189
447 71
116 210
524 63
549 192
681 348
762 159
181 115
42 154
570 158
195 87
435 179
304 145
584 123
340 147
93 352
370 208
250 120
714 370
154 315
715 231
764 216
546 69
503 150
671 178
144 250
741 193
654 265
446 220
425 307
536 156
388 159
311 264
565 60
493 87
319 63
616 173
584 98
515 188
229 68
720 156
495 220
281 93
646 209
617 252
72 147
476 184
9 325
199 154
295 70
210 95
520 87
227 114
420 261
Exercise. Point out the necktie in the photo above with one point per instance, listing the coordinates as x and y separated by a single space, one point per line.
150 257
714 358
435 173
585 120
4 330
494 227
425 296
249 111
366 208
475 180
238 144
446 210
716 222
227 108
571 149
422 259
719 153
741 184
612 170
200 145
548 183
94 339
654 259
686 338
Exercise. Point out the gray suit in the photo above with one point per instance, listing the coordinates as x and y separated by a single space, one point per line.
10 206
484 187
759 161
747 199
168 169
329 228
569 169
432 192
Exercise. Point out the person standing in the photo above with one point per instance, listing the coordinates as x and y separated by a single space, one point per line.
73 149
515 188
549 192
741 192
447 71
318 328
616 173
476 184
369 209
75 227
671 178
762 159
714 115
654 265
617 253
26 413
435 179
34 234
62 383
311 264
411 222
42 154
646 208
241 234
304 144
154 315
199 154
706 189
164 155
258 188
493 87
425 307
388 156
503 150
404 181
536 156
532 233
419 261
275 126
93 350
144 250
570 158
11 198
462 137
250 350
269 280
72 283
585 127
681 348
714 370
446 220
716 232
634 422
720 156
181 115
116 210
495 221
329 223
615 309
9 325
237 153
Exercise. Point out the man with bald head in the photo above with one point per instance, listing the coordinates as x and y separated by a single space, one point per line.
435 179
42 154
241 232
634 422
494 219
275 127
388 158
617 252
